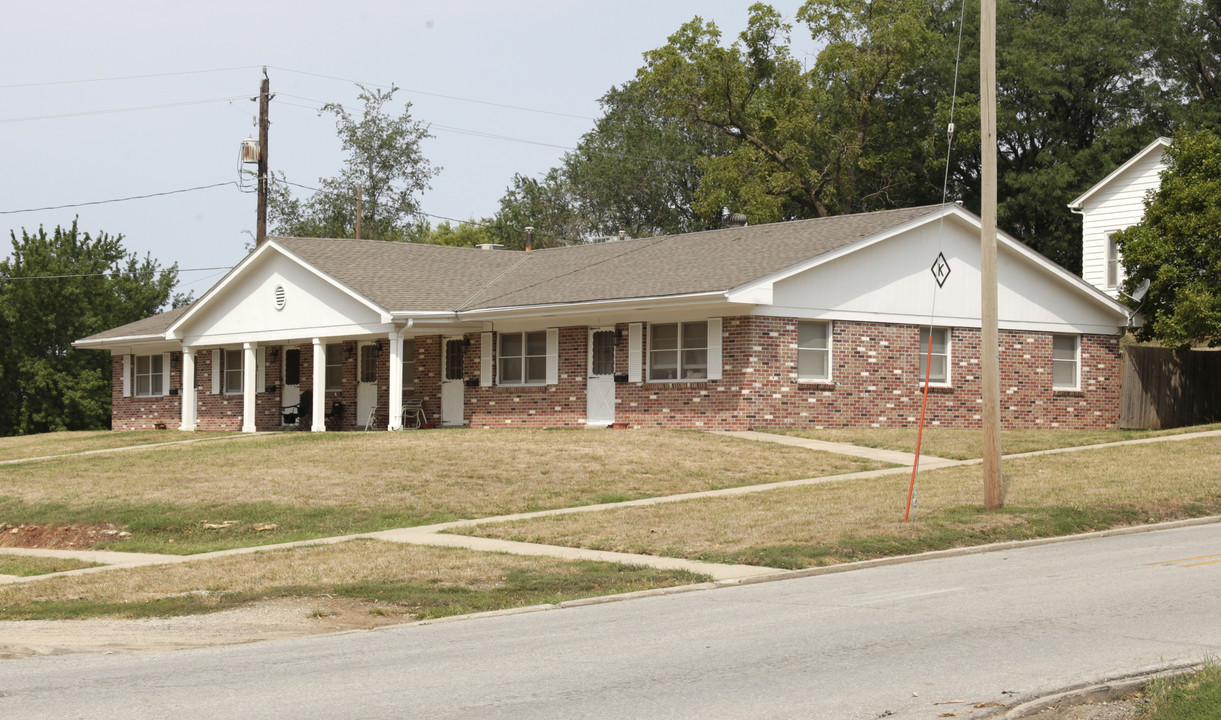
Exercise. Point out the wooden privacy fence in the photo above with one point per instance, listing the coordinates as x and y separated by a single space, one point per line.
1163 388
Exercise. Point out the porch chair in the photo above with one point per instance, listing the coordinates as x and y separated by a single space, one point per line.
413 413
292 415
334 414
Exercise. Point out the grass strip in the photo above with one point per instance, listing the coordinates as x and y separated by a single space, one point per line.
28 566
958 444
66 443
405 581
1186 697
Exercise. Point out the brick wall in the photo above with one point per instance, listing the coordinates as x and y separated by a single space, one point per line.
874 383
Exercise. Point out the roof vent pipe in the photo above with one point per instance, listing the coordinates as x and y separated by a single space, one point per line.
529 238
735 220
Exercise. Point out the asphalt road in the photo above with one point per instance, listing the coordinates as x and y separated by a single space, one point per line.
916 640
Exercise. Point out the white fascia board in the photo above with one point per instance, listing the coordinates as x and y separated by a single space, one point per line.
760 291
943 320
270 245
1161 142
598 306
125 341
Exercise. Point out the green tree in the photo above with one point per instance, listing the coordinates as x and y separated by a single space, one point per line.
1192 61
55 289
638 170
804 144
384 164
1177 246
467 233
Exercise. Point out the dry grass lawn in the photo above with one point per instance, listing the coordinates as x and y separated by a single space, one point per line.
337 483
65 443
831 522
398 581
966 444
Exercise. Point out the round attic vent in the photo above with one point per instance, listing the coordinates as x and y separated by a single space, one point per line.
280 297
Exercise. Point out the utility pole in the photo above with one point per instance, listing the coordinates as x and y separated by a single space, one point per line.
989 334
359 192
264 101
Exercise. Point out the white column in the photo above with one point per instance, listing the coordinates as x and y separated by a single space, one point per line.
188 389
249 391
395 421
319 410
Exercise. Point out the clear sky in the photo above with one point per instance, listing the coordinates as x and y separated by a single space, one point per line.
459 63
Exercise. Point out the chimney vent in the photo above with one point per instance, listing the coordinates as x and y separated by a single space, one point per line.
735 220
529 238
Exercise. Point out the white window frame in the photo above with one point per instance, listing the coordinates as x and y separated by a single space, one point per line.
682 368
1075 363
154 374
233 370
1111 268
923 353
408 363
334 366
812 350
522 361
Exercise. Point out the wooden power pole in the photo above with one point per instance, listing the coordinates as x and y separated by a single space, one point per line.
264 102
989 333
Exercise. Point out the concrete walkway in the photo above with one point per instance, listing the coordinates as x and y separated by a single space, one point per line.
446 535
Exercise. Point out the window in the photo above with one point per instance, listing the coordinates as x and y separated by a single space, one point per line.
523 358
455 358
149 375
292 366
334 367
678 351
940 374
1064 362
813 351
233 371
409 363
602 353
368 363
1112 263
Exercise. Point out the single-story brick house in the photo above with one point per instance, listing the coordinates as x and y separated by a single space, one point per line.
810 323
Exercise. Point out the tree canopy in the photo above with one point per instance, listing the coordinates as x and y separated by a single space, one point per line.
384 164
1177 246
710 126
54 289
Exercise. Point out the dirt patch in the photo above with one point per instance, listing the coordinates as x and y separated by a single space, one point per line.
59 537
269 620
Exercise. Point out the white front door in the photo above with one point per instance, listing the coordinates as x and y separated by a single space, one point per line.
290 389
366 382
453 358
600 380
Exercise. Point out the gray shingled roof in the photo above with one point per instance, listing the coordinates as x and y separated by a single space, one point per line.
149 327
411 277
404 277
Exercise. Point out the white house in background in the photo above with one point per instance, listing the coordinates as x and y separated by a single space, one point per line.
1116 203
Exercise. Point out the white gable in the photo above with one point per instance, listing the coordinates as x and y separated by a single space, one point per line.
272 297
1115 203
891 281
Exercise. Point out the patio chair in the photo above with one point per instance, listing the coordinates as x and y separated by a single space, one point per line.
414 416
335 414
291 415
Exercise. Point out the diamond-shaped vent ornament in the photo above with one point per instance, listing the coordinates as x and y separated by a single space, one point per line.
941 270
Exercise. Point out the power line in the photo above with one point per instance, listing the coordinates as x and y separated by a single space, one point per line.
440 95
472 221
115 200
111 111
125 77
103 274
